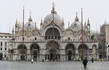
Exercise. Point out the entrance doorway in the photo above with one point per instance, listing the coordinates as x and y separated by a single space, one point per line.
34 50
82 50
70 52
52 54
1 56
69 55
35 54
22 57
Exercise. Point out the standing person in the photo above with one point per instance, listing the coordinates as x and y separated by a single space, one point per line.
92 60
31 60
85 61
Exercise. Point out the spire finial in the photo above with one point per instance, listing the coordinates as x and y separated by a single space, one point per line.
76 14
16 21
85 23
30 19
41 21
76 19
68 24
30 13
88 20
13 29
53 9
53 4
35 24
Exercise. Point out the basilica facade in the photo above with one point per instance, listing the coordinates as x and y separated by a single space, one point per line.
38 43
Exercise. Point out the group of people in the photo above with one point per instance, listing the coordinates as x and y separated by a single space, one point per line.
85 61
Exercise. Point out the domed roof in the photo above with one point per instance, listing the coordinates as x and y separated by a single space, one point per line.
49 18
76 24
30 25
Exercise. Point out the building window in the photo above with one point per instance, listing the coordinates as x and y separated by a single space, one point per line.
5 36
1 48
1 36
5 55
1 43
9 36
5 43
5 48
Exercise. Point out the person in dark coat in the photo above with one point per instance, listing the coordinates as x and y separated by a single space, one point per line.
85 61
92 60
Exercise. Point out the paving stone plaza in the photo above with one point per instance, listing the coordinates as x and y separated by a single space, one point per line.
72 65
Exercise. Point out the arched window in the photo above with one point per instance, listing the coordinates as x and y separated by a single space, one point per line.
49 32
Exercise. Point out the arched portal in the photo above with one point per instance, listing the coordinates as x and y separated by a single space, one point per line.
1 56
34 50
22 50
53 51
82 51
70 51
49 34
22 57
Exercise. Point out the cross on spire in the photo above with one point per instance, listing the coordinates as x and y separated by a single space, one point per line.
30 19
53 9
76 14
76 19
53 5
30 14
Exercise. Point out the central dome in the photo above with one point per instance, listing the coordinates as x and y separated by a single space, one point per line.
49 18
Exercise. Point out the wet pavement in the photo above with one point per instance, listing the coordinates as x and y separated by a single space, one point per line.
74 65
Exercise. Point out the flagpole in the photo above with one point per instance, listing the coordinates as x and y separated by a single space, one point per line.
23 30
82 29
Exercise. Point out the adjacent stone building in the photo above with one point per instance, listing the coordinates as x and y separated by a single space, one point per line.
104 41
4 41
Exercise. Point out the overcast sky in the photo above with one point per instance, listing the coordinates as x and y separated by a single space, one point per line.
96 10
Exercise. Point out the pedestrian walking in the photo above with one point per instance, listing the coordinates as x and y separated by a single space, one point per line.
85 61
92 60
32 60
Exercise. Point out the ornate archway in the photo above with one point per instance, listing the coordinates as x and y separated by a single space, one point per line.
34 50
22 50
70 51
82 51
53 51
